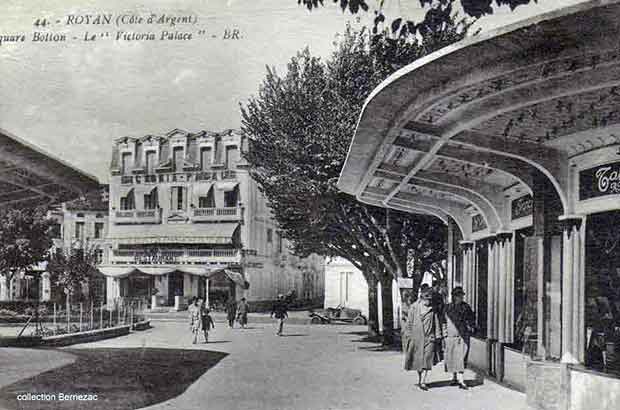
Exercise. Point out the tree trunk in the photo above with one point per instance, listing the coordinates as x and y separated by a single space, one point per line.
373 308
388 310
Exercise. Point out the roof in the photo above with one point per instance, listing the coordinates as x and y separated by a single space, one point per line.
458 131
29 175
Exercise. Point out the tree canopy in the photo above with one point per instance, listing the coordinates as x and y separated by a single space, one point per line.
24 239
300 126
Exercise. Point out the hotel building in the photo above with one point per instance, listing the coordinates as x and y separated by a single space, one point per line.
186 219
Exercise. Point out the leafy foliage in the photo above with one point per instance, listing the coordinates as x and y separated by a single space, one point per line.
24 239
70 268
300 126
439 11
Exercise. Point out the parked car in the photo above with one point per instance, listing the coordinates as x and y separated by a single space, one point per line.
338 314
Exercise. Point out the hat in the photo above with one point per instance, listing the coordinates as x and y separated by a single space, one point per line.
426 294
458 291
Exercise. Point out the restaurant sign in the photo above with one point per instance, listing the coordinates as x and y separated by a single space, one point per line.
600 181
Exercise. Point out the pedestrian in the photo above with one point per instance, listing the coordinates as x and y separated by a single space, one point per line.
438 301
207 321
242 313
423 329
458 328
279 311
195 318
231 311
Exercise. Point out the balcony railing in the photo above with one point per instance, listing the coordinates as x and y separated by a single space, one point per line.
217 214
175 256
151 216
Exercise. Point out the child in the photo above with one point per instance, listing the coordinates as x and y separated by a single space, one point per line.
207 323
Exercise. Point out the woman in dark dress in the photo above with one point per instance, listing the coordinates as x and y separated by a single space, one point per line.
458 328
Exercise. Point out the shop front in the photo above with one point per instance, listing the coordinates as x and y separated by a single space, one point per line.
512 138
172 287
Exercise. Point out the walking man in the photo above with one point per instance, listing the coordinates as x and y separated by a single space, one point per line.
458 327
279 311
242 313
231 311
195 318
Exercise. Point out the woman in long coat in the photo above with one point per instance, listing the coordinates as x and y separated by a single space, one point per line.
423 328
458 328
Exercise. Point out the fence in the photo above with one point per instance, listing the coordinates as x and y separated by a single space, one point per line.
85 316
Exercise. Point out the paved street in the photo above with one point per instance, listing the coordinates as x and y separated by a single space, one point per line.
312 367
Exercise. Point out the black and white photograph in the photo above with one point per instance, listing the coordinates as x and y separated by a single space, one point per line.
310 205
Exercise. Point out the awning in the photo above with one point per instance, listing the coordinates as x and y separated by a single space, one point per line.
227 186
124 191
236 277
124 271
202 189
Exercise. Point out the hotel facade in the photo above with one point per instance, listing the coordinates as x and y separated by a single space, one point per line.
186 219
512 138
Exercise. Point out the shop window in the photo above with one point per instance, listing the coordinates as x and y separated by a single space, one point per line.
520 289
602 297
269 235
99 226
481 306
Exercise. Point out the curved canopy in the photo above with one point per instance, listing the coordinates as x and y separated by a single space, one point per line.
476 124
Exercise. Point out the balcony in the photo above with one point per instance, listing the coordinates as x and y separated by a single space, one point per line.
175 256
229 214
151 216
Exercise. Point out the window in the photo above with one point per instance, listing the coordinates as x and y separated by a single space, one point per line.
205 158
269 235
150 162
126 163
279 242
177 158
231 198
99 230
151 200
55 231
79 230
99 256
232 156
128 202
178 198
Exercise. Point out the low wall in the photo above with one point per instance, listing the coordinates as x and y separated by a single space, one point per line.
83 337
515 366
478 354
23 341
544 387
593 391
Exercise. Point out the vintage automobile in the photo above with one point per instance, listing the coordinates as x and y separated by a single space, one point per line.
338 314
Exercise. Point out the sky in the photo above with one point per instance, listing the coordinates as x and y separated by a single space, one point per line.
72 99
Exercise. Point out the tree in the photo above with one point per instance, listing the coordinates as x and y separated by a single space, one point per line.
24 242
473 8
72 269
300 126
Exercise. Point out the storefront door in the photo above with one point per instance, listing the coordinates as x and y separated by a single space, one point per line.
175 286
